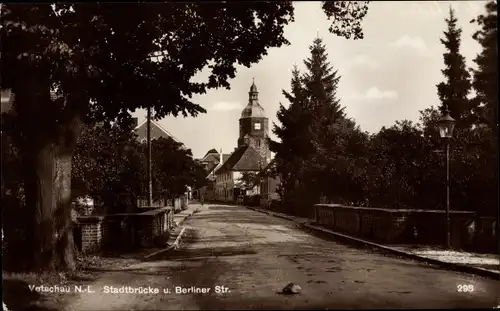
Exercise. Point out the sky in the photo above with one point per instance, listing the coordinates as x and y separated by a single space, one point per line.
389 75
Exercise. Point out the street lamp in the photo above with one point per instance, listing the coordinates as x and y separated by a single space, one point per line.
446 125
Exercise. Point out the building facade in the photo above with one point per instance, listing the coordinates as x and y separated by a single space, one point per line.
211 161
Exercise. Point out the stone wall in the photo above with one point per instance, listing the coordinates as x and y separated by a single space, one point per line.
123 231
403 226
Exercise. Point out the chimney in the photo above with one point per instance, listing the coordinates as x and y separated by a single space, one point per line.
134 122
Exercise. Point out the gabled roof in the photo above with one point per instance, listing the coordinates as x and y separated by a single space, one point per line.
244 158
225 157
211 157
154 123
213 150
211 170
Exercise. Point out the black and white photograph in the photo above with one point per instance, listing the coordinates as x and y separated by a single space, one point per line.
252 155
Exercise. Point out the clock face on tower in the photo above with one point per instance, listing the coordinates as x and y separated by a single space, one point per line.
256 126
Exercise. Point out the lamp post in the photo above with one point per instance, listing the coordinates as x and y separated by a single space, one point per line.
446 125
150 174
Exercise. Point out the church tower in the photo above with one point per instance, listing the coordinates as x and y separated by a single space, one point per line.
254 126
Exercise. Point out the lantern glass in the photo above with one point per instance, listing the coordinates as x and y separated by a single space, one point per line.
446 125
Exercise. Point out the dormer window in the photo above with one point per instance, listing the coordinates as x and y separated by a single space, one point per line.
256 126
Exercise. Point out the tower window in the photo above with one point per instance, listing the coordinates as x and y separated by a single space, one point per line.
256 126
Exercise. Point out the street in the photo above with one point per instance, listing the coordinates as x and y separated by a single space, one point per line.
235 258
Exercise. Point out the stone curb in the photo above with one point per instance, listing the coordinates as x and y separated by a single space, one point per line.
172 246
451 266
175 244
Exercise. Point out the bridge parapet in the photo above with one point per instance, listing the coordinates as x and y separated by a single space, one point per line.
408 226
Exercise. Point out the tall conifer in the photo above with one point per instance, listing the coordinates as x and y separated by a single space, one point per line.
485 77
454 91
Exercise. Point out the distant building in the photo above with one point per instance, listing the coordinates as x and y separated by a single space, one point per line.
157 131
211 161
252 154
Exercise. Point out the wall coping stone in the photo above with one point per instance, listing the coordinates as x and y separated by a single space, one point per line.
387 210
101 218
90 219
156 211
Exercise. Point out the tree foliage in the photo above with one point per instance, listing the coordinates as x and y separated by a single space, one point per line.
249 180
107 162
174 168
485 77
314 134
70 64
347 17
321 152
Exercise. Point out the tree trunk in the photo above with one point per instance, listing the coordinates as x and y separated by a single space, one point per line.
48 196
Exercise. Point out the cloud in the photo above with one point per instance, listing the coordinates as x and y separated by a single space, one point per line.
226 106
363 61
375 94
416 43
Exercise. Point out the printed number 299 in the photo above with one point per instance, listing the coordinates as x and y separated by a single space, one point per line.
465 288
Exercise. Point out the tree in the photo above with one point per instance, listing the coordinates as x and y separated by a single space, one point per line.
314 132
71 63
485 84
328 123
321 83
485 77
454 92
106 163
173 168
249 180
295 138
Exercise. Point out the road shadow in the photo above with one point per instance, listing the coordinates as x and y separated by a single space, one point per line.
187 254
18 297
241 217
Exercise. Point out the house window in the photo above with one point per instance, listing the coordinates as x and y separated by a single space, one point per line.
256 126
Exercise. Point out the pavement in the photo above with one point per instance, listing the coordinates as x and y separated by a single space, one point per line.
180 217
244 259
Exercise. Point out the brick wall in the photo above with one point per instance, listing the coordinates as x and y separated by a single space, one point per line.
91 233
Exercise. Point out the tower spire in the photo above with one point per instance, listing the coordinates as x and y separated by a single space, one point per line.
253 94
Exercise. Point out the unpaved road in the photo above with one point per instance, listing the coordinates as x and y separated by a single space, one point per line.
255 255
